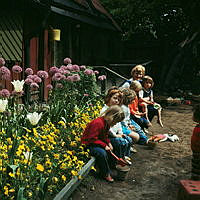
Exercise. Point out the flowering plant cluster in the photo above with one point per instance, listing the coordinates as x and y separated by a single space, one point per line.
40 149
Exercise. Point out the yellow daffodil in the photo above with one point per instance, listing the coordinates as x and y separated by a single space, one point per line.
64 178
40 167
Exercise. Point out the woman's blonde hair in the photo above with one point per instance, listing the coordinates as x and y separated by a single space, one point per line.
135 85
114 114
128 96
138 68
147 79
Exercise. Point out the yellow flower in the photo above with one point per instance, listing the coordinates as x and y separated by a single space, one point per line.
12 190
62 123
63 178
48 163
56 156
93 168
70 152
30 194
11 175
74 173
9 140
55 179
40 167
5 190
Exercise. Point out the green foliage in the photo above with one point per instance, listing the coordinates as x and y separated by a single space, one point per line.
153 19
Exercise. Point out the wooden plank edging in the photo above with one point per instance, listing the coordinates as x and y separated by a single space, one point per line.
74 183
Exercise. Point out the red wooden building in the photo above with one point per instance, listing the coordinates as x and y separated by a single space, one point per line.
88 34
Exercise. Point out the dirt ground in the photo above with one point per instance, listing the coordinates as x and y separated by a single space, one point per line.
154 174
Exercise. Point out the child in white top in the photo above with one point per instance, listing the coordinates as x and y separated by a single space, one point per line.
146 101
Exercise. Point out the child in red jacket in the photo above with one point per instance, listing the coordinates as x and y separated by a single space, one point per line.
96 138
195 144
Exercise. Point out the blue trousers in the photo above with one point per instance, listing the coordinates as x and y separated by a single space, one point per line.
143 138
102 159
121 146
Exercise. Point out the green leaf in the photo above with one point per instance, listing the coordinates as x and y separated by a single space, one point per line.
20 195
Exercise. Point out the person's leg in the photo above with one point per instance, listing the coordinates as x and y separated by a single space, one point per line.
195 174
101 159
144 110
119 146
159 117
129 144
151 112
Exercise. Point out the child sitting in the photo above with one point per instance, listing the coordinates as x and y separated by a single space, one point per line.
146 101
136 115
195 144
95 137
121 143
129 126
137 74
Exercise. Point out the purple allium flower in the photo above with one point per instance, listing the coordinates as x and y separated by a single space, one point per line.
69 79
96 72
5 73
28 81
2 62
4 93
75 68
76 77
49 87
43 74
67 61
31 77
59 85
69 67
53 70
57 77
101 78
88 72
82 67
29 71
34 85
16 69
37 79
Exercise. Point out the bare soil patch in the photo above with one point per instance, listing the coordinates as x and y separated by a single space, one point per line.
155 174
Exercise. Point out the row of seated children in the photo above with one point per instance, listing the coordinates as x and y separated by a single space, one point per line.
115 131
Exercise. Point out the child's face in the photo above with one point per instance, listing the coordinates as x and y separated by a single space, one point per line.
114 100
137 75
147 85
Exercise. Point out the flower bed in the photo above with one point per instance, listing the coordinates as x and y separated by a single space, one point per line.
40 148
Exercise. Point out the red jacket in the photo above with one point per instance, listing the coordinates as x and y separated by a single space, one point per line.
96 132
195 140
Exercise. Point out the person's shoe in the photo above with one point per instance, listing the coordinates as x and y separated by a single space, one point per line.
123 168
109 179
133 150
127 158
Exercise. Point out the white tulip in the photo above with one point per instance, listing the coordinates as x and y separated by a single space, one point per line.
18 85
34 117
3 104
28 155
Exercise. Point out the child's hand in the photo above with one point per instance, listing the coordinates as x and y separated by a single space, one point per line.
107 148
119 135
